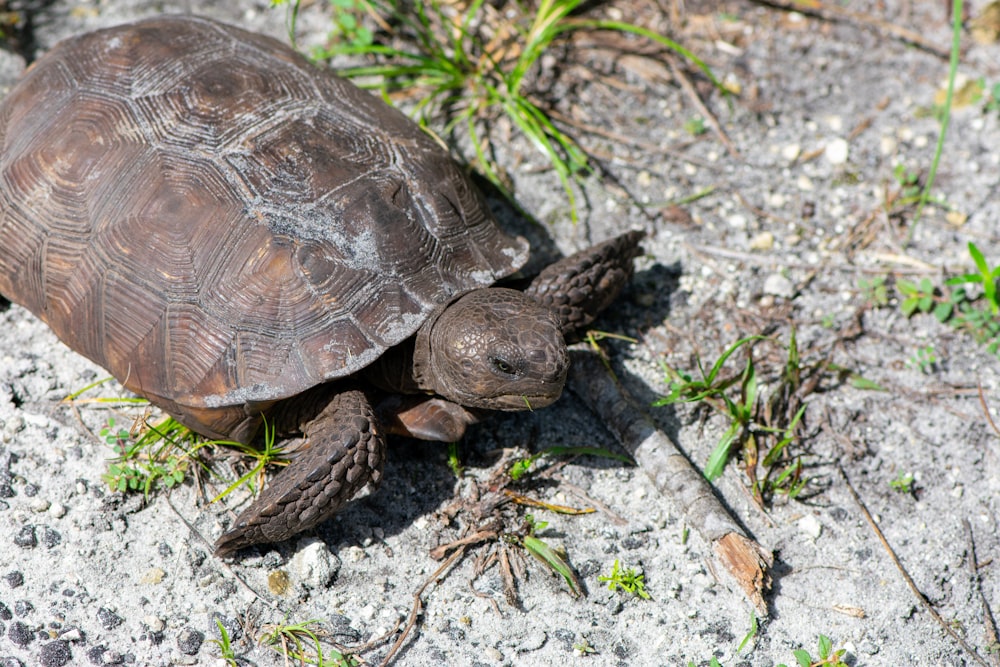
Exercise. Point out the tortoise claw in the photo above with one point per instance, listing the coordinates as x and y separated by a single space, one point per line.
344 451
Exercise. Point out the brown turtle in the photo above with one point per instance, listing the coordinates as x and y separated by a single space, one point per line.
238 235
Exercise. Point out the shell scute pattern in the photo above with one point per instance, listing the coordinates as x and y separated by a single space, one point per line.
223 225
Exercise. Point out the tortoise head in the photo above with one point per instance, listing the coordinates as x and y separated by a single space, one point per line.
493 348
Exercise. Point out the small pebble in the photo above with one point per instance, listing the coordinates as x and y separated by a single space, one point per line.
232 626
58 510
354 554
109 620
278 582
493 654
20 633
791 152
779 285
26 537
836 152
189 641
367 612
737 221
23 607
51 538
762 241
956 218
313 565
153 576
154 623
39 505
55 654
72 635
810 526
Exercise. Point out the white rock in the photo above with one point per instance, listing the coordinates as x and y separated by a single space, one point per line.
762 241
791 152
810 526
354 554
779 285
155 623
836 151
39 505
737 221
313 565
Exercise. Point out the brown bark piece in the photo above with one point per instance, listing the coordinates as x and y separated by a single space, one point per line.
673 474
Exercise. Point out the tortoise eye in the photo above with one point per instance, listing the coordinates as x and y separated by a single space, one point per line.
503 366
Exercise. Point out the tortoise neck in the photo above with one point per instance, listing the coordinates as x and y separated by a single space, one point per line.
393 371
420 360
406 368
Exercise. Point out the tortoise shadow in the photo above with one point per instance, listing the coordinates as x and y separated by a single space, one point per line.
417 480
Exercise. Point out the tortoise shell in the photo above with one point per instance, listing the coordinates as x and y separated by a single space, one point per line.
220 223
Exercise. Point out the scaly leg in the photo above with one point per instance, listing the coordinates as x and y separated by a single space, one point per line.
580 286
344 451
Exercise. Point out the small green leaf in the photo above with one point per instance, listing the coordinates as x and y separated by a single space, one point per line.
978 258
909 306
943 311
861 382
720 455
802 657
545 554
825 645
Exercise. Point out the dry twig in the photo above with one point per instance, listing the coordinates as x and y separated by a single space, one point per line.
418 604
906 575
709 117
990 630
673 475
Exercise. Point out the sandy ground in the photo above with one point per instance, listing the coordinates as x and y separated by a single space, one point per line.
795 217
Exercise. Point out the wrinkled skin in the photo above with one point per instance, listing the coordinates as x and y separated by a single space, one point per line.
496 349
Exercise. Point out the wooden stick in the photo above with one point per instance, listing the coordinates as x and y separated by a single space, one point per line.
713 122
673 475
990 626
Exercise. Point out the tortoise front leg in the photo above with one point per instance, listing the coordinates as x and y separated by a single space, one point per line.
425 417
344 450
580 286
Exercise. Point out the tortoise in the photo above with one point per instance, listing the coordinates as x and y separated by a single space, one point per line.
239 236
